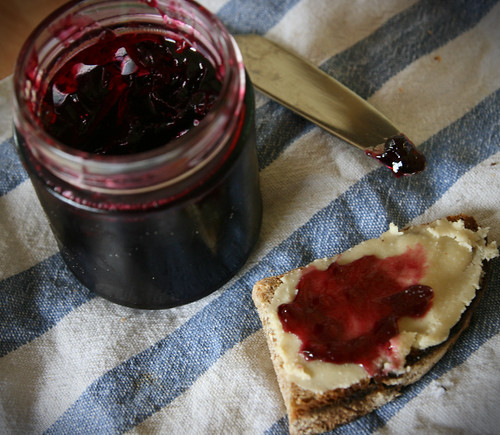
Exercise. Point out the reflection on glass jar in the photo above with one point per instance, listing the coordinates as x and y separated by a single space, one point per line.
135 121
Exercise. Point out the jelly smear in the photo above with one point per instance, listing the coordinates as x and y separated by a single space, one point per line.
400 155
349 313
129 93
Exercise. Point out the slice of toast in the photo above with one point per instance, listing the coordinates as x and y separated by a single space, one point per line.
320 396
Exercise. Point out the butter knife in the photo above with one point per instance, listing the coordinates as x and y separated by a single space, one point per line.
302 87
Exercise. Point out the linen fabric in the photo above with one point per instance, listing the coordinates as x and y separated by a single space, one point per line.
74 363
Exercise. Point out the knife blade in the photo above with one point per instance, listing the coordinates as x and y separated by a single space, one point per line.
302 87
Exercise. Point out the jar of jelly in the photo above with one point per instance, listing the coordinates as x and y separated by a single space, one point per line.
135 122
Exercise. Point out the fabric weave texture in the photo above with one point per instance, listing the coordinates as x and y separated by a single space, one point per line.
73 363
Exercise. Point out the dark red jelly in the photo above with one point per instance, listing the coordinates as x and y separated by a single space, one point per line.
348 313
129 93
400 155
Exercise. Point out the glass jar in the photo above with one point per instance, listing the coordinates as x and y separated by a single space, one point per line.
157 228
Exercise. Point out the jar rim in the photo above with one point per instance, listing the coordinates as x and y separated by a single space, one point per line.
108 173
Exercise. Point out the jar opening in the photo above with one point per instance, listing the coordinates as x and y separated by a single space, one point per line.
77 26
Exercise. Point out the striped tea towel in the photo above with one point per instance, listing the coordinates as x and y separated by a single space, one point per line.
72 363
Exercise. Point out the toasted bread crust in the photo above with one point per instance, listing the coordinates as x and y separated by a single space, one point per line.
312 413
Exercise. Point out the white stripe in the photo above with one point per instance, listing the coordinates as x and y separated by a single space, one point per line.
213 5
25 237
319 30
5 108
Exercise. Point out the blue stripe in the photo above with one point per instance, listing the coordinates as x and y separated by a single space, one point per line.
367 65
33 301
257 16
149 381
12 172
279 428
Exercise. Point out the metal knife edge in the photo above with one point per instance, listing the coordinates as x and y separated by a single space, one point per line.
301 86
